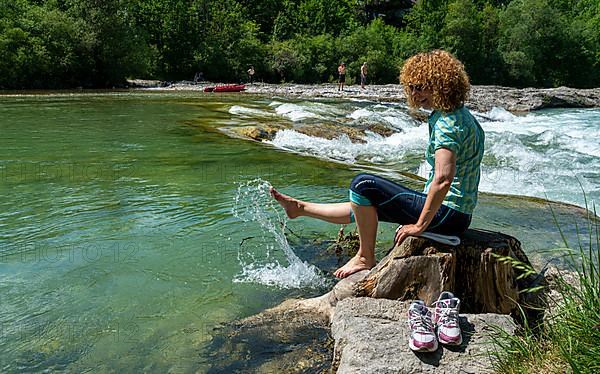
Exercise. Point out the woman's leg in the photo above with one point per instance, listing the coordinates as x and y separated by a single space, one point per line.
366 222
372 199
334 213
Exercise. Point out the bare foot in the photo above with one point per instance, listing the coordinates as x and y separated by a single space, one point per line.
293 208
356 263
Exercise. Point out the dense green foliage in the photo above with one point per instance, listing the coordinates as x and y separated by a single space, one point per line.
99 43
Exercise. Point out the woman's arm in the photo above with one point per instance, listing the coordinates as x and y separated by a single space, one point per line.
445 169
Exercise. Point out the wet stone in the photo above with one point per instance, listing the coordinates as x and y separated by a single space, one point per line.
274 341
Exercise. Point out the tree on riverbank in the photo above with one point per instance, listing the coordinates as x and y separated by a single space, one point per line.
90 43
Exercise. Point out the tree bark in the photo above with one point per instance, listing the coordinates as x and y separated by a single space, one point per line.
421 269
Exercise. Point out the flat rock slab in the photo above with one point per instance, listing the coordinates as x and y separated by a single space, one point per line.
371 336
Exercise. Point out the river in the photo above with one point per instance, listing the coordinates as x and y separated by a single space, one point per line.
132 223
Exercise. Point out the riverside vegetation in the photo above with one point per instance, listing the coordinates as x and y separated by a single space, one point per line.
567 341
82 43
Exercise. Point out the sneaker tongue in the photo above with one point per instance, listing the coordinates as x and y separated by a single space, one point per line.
416 305
450 303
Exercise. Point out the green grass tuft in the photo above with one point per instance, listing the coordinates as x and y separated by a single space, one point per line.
569 340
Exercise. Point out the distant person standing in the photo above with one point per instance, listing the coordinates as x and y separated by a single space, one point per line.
341 76
198 77
251 74
363 75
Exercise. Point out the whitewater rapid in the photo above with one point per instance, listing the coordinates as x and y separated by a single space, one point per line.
551 154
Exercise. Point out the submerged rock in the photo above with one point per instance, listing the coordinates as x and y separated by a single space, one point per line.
332 131
318 130
258 133
286 339
335 130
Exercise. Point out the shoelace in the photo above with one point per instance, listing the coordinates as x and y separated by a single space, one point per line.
446 313
420 322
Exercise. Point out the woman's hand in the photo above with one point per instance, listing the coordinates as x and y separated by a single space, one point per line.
402 232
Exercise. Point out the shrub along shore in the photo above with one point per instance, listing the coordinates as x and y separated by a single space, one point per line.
97 44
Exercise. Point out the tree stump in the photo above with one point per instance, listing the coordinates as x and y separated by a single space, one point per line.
421 269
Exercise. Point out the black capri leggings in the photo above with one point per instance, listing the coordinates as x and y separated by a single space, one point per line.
398 204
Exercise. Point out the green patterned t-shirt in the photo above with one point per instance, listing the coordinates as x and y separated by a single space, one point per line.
459 132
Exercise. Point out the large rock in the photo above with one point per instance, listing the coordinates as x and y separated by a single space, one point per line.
480 271
371 336
484 98
561 283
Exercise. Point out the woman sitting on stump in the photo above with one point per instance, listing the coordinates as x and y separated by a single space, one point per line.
437 81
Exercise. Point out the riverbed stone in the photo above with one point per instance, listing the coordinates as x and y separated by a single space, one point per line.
483 98
259 133
371 336
289 338
319 130
332 131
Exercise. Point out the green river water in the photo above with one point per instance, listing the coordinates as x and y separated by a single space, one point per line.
120 247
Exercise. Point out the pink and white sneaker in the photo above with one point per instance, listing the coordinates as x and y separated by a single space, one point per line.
445 317
422 332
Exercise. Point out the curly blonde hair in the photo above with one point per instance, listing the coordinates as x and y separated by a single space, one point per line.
441 72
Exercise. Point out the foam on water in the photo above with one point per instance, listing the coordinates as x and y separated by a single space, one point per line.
499 114
296 112
376 149
361 113
395 118
305 110
254 205
544 154
250 112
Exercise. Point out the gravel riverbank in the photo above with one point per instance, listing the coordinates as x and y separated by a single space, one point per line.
482 98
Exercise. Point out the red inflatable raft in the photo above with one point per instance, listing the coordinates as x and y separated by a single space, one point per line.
226 88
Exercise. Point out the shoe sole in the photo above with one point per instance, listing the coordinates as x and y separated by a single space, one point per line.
422 349
458 342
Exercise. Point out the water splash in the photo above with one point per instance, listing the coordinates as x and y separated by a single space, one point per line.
253 204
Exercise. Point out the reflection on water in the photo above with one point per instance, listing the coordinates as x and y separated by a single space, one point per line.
118 246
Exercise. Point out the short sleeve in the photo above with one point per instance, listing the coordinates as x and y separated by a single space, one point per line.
446 134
